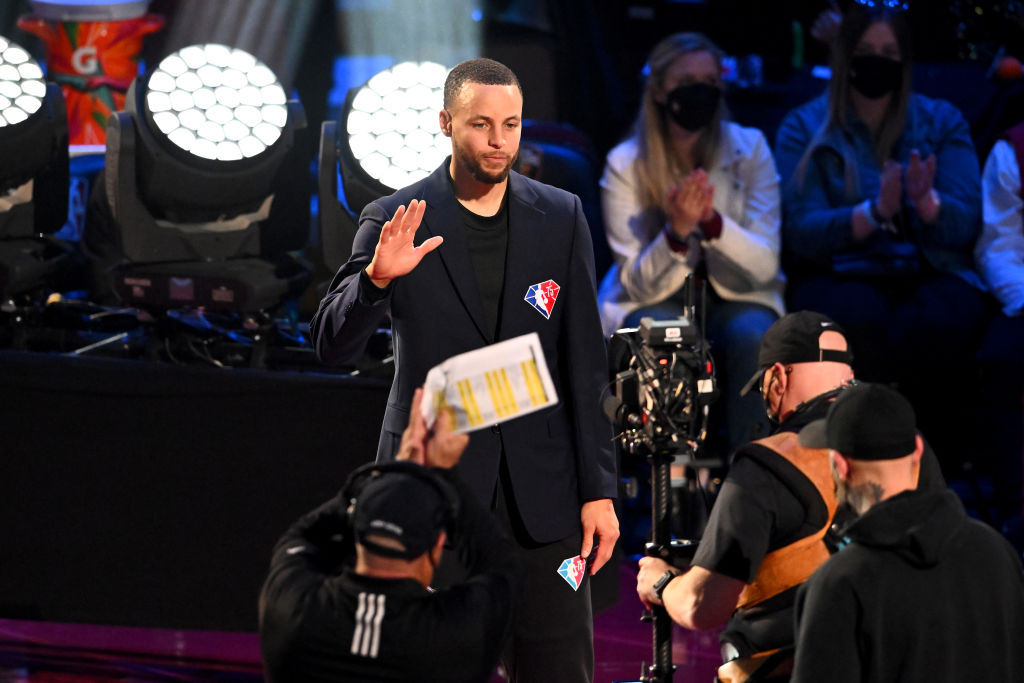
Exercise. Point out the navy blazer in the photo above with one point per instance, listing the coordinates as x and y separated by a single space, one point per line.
559 457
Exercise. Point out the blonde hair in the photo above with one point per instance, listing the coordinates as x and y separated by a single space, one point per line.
657 167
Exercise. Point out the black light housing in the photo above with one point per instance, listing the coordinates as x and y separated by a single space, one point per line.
391 134
203 190
212 141
388 137
34 173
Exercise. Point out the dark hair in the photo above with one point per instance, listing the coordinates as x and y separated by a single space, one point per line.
856 21
480 70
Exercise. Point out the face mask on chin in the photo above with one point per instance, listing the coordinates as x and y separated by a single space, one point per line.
875 76
693 106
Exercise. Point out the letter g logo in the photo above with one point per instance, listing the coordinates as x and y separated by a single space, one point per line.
84 60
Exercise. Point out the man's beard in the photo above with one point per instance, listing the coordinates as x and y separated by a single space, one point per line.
857 497
476 170
842 494
842 490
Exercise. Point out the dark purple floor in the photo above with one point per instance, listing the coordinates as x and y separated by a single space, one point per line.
43 652
622 642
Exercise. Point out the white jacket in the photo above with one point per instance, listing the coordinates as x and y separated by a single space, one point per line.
742 263
999 251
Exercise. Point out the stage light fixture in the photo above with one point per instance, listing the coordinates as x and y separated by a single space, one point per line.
388 136
204 186
33 172
22 87
392 134
217 103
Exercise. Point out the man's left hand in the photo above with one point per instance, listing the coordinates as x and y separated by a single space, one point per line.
441 447
598 517
651 569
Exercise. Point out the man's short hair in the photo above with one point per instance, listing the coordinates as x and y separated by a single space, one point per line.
479 70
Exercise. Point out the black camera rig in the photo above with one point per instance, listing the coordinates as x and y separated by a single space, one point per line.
663 391
663 380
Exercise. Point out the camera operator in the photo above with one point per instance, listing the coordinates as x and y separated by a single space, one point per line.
331 611
766 532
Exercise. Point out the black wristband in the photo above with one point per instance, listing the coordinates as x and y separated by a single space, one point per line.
663 581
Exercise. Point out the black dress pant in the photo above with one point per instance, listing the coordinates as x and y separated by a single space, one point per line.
553 624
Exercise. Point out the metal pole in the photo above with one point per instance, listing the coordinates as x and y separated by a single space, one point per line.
662 668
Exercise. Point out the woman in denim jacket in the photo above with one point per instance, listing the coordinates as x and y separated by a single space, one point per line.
882 206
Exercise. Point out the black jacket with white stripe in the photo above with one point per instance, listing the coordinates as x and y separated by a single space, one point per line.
321 622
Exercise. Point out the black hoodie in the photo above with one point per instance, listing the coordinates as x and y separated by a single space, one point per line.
921 593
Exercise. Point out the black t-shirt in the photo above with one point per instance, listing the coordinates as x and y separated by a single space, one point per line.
487 239
754 513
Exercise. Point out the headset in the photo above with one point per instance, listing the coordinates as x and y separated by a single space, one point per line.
445 518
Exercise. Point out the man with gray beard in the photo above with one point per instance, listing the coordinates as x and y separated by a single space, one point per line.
919 591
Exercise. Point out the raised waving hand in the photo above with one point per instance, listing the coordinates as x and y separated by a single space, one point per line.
396 254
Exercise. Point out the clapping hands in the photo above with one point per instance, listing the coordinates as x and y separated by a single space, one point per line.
890 190
917 178
920 181
920 175
690 202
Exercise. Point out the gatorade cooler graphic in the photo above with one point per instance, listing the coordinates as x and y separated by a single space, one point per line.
92 52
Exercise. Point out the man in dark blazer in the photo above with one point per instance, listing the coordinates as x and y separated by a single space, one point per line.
499 255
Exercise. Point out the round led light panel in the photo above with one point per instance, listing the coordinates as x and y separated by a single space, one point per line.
392 125
22 87
217 102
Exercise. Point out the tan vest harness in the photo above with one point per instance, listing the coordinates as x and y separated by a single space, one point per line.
791 565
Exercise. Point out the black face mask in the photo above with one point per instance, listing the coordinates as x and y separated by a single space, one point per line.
875 76
693 106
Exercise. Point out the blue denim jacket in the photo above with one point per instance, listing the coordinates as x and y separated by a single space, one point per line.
817 213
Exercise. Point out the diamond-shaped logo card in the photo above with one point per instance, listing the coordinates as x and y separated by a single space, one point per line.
573 570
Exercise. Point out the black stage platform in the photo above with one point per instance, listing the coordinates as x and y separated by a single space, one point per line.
148 494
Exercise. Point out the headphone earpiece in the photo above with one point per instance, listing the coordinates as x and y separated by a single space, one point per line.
766 391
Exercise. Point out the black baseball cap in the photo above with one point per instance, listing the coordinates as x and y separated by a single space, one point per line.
794 338
406 509
865 422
